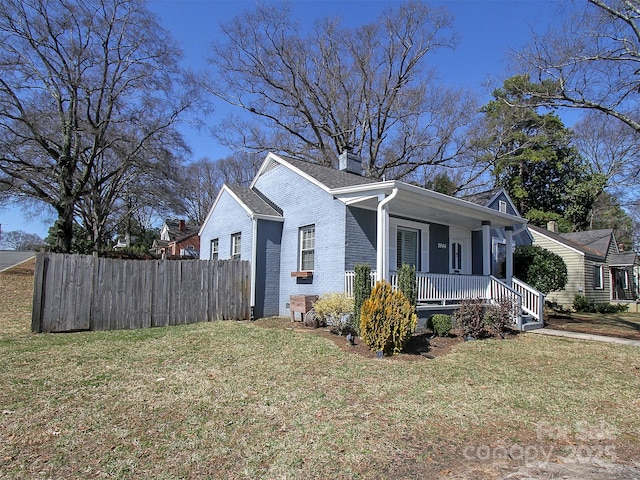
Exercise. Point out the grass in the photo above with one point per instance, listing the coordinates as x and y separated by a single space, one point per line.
244 400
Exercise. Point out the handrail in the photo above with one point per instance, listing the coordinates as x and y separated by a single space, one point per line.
532 299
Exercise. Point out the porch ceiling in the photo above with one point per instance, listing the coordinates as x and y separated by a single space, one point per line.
423 205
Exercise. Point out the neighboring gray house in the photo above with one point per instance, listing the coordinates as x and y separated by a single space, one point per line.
304 227
498 199
596 267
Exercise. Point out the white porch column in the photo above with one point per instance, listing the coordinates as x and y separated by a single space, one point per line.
382 236
508 233
486 247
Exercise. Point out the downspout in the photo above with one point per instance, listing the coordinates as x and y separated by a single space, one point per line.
254 256
382 254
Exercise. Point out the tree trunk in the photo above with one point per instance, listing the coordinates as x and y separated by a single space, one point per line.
64 229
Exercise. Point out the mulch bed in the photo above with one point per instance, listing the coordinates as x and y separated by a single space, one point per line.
421 347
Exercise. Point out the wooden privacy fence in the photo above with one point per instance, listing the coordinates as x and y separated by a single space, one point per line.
79 292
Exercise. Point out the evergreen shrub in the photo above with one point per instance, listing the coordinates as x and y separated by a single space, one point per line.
361 289
387 320
441 324
407 283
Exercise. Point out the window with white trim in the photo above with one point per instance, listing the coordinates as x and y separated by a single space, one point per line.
407 248
502 206
214 249
598 277
236 246
307 248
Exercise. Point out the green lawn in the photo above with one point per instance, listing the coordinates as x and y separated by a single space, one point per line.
242 400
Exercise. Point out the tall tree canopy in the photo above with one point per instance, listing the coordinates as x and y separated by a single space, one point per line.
530 155
88 90
591 62
333 88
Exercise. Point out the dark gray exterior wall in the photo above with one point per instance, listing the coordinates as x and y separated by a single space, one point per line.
267 268
438 257
360 241
476 252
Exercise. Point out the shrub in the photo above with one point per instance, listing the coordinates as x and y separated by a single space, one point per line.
336 310
610 307
407 283
361 289
441 324
540 268
582 304
470 318
387 320
499 316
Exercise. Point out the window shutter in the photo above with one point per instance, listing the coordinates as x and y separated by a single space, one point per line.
393 247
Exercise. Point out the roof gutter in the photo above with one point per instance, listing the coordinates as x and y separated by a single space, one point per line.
382 251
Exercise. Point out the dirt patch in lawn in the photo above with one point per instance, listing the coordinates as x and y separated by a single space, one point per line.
624 325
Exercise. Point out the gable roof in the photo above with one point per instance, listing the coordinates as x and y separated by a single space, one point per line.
483 198
250 201
559 238
174 232
598 240
488 197
253 202
326 178
409 200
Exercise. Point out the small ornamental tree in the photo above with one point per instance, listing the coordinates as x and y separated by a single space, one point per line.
407 283
540 268
361 289
387 320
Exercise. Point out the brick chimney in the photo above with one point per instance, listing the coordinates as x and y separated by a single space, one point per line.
552 226
181 225
350 162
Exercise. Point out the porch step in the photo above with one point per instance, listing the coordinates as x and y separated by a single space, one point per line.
531 325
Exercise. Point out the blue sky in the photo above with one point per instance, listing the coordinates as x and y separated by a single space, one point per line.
486 30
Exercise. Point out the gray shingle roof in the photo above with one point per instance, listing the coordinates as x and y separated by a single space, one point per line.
560 238
481 198
623 259
254 201
597 240
330 177
174 232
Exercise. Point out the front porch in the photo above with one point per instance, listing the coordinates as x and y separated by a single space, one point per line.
445 291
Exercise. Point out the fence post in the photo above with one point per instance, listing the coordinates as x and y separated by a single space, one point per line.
38 292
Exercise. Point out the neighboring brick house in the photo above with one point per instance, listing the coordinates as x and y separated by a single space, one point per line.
178 238
596 266
304 227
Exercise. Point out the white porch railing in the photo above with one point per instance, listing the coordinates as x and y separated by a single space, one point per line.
444 289
532 300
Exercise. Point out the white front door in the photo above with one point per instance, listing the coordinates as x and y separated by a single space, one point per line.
459 253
